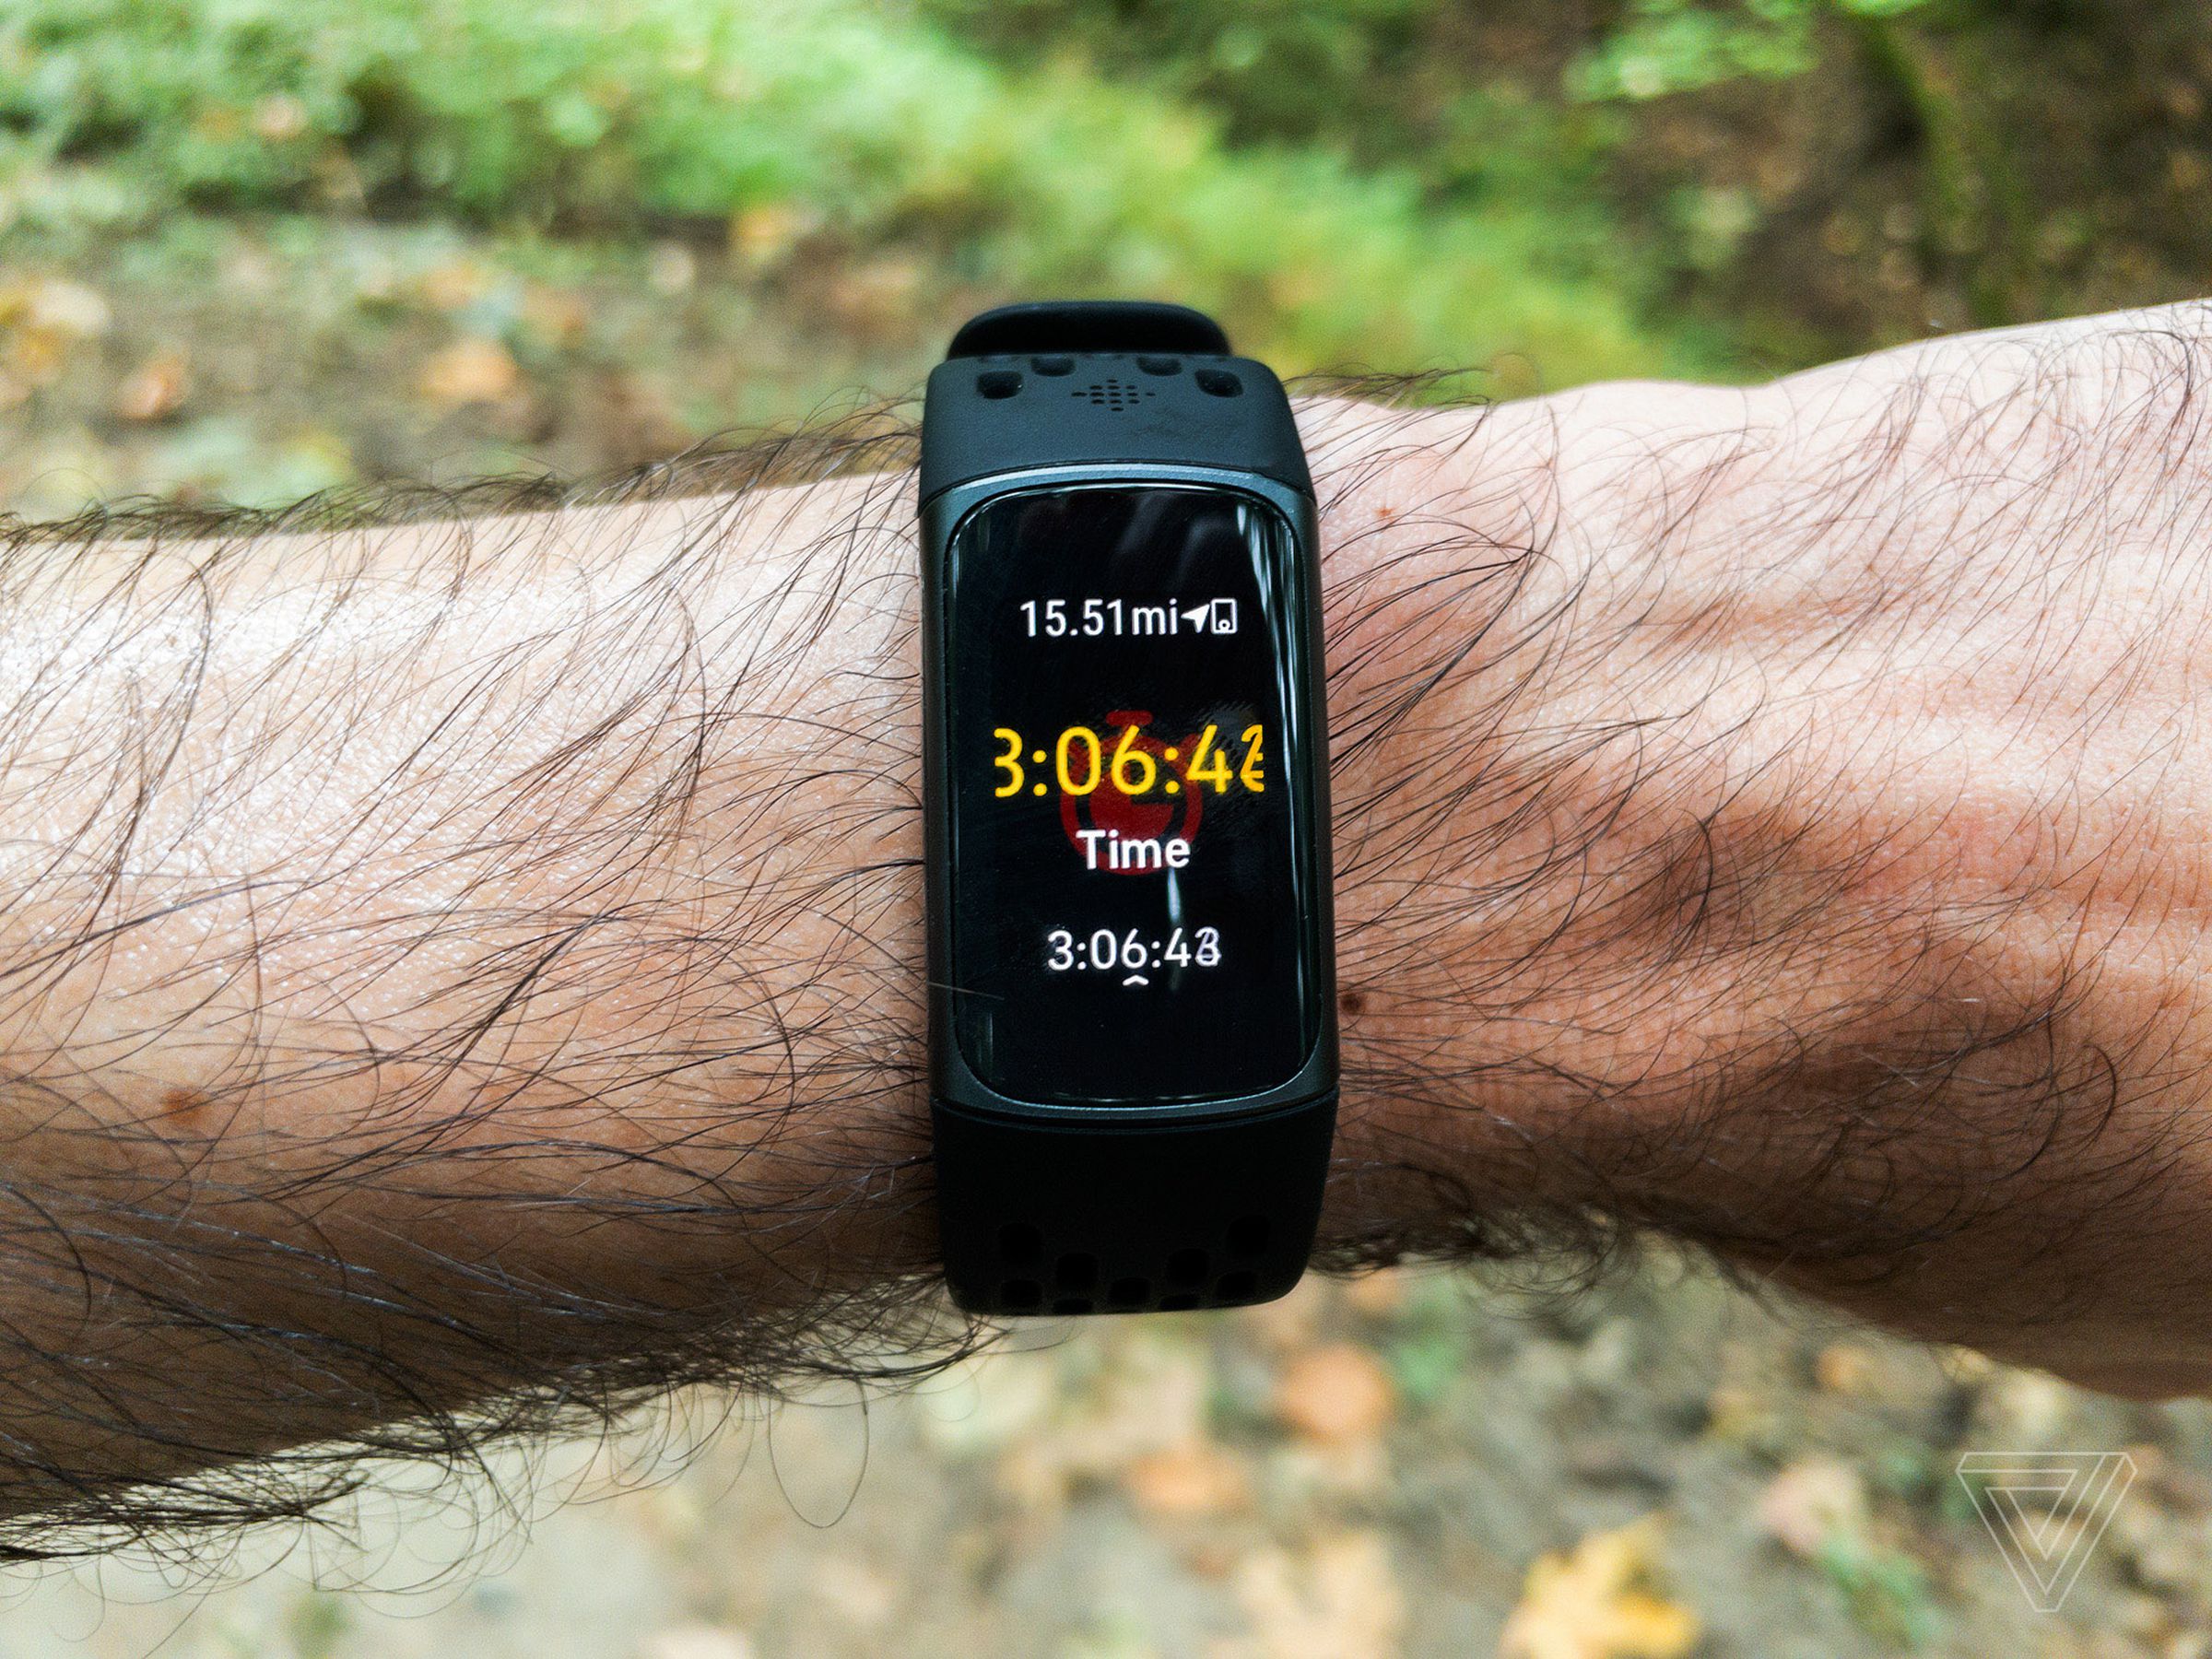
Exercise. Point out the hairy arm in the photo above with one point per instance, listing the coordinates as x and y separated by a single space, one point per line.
460 973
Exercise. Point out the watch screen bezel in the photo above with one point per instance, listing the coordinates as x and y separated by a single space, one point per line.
1292 630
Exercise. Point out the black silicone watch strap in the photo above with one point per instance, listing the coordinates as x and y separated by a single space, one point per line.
1042 1219
1072 1217
1088 325
1109 392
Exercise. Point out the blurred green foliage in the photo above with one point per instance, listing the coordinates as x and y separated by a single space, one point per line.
745 208
871 125
1368 80
1795 177
1703 186
1668 46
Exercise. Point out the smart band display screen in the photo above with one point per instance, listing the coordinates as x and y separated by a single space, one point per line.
1125 759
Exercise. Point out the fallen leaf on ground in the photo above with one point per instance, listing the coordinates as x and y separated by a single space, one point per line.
155 390
1194 1478
1337 1600
1338 1395
470 372
1741 1414
1811 1501
1594 1601
1844 1368
57 304
45 318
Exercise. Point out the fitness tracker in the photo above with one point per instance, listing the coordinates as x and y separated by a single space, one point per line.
1132 1011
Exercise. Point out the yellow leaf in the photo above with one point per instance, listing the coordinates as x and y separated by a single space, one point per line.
1594 1601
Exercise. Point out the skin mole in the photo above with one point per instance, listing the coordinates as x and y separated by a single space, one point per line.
183 1103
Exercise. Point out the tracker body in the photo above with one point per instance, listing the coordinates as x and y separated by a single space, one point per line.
1133 1056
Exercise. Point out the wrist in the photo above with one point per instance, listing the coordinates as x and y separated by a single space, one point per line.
1785 860
1477 793
1569 919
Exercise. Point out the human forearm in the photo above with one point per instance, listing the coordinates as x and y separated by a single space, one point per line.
451 959
1819 874
479 962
